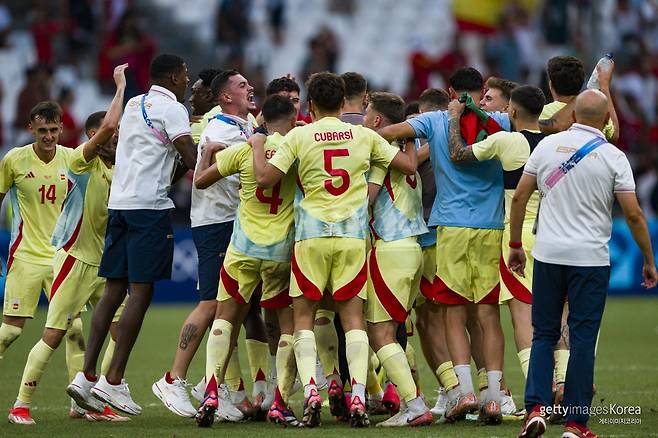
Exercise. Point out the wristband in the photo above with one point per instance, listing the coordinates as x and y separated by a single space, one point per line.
262 129
515 245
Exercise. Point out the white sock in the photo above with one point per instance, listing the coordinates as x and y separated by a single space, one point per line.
417 406
493 391
20 404
454 393
465 380
359 390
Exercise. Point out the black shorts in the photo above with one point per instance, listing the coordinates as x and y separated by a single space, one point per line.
211 243
139 246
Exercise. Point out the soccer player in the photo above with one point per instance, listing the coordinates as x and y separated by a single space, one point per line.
330 228
469 233
356 88
259 253
35 178
139 240
512 149
394 263
201 100
497 94
78 237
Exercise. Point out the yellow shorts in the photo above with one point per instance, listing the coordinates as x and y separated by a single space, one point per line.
23 285
75 284
333 264
394 270
511 285
429 274
467 265
241 275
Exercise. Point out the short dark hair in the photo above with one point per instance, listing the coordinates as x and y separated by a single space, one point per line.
567 74
506 87
47 110
207 75
466 79
281 84
531 99
220 81
411 108
355 84
435 98
165 65
326 91
276 108
389 105
94 120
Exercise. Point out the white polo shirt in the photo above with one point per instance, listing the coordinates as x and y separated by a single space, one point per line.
144 164
219 202
575 216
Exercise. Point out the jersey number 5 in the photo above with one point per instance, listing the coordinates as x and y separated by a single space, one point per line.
274 199
47 194
329 154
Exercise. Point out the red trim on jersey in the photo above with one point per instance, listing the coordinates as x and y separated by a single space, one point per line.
385 295
310 290
74 236
518 289
352 289
387 185
14 247
64 271
371 224
281 300
231 286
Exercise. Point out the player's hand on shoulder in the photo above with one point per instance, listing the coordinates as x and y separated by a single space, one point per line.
119 75
650 276
456 108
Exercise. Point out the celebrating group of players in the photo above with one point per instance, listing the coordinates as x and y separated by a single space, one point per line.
330 229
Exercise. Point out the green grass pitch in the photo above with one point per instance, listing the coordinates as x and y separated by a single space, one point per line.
626 375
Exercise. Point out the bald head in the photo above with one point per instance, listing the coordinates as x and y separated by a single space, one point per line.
592 109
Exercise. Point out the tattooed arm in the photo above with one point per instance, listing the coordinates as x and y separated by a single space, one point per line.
458 151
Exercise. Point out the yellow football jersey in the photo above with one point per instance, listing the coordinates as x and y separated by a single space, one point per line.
36 191
333 158
80 229
263 227
551 108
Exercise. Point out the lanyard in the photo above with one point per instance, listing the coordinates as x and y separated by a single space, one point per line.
230 121
565 167
163 138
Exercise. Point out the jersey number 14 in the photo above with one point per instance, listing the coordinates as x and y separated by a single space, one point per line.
48 194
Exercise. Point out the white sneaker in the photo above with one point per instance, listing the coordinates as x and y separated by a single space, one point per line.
262 395
441 402
507 405
320 378
226 410
405 418
117 396
174 396
199 390
76 412
80 391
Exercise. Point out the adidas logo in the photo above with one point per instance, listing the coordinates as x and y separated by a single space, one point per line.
31 384
30 174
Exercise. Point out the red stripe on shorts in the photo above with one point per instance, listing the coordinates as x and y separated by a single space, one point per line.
62 274
14 247
492 297
352 289
427 288
231 285
444 295
518 290
281 300
310 291
385 295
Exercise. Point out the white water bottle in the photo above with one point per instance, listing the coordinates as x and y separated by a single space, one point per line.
605 64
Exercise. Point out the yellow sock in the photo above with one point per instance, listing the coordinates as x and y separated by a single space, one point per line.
8 334
258 354
372 382
410 352
561 361
233 375
356 350
326 342
524 360
75 348
394 360
35 366
446 375
483 382
286 367
219 341
107 356
305 354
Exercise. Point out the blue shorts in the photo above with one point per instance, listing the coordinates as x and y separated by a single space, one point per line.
139 246
211 243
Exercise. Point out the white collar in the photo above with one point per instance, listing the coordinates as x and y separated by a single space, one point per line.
164 91
587 128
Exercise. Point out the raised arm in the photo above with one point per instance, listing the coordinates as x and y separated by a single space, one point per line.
457 149
638 225
112 117
527 185
267 175
560 121
400 130
605 79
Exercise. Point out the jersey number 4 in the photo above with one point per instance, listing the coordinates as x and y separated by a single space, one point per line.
47 194
329 155
274 199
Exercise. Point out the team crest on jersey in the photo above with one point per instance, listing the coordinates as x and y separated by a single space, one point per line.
62 174
15 304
